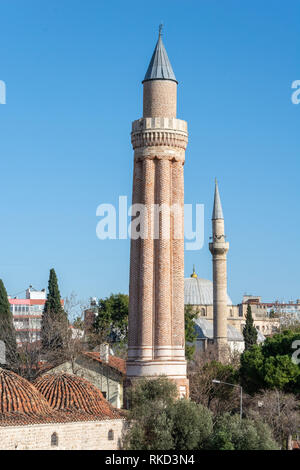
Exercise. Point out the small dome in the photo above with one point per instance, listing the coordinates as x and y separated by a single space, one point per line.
18 396
199 291
68 392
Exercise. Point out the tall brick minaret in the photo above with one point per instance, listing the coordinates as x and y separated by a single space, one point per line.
219 248
156 292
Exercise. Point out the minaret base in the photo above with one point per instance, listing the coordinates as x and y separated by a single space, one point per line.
176 372
222 349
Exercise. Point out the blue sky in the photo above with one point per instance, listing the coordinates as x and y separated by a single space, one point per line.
73 73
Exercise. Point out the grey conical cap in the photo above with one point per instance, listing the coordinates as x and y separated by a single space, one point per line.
217 212
160 66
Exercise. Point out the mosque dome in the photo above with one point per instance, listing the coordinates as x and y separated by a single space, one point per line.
66 392
198 291
19 398
204 329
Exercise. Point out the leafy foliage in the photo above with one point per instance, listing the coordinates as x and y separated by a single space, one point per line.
192 425
150 421
158 421
230 433
270 365
111 323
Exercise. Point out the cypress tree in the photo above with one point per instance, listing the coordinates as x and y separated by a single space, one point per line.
190 332
7 329
249 330
54 321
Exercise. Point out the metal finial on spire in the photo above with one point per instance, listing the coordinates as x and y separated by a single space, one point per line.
194 275
160 28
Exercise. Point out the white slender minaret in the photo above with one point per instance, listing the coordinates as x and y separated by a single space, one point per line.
219 248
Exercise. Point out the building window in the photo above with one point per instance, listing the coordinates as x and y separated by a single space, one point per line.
231 312
104 394
54 439
110 435
203 313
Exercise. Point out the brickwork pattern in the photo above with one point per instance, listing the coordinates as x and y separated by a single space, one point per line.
160 98
156 308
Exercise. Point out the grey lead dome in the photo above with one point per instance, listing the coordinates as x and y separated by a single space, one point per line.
199 291
160 67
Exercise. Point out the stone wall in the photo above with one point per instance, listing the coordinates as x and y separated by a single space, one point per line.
266 325
83 435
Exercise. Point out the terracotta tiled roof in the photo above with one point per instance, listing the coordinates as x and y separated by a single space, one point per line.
296 445
21 403
113 361
70 393
17 395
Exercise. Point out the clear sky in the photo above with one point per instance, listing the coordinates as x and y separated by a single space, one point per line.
73 72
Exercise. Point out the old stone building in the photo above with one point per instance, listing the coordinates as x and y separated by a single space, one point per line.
198 292
106 372
156 291
58 412
262 313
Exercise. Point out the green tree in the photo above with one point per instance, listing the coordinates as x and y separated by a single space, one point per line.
159 421
270 365
150 421
190 333
7 329
192 425
249 330
281 372
111 323
54 328
252 369
230 433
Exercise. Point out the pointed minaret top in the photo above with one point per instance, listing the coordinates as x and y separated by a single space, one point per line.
160 67
217 212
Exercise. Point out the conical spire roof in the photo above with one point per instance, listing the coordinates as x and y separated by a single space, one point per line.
160 66
217 212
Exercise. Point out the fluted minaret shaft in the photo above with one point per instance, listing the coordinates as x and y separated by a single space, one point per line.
156 306
219 248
